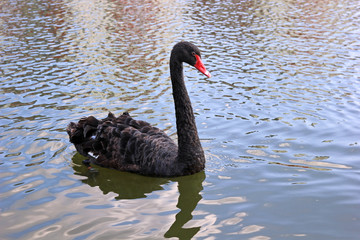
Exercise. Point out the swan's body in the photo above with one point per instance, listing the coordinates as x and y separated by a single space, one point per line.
135 146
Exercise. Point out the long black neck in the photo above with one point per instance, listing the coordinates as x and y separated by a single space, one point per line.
190 150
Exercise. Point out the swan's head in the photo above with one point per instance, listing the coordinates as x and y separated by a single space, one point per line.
189 53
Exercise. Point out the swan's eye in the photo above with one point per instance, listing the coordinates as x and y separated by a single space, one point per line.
193 53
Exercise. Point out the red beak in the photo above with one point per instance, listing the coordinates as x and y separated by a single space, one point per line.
200 66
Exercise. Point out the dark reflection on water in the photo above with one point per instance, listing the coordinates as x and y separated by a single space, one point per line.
126 185
189 195
132 186
278 120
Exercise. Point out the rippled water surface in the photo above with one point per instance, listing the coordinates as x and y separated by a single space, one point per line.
279 119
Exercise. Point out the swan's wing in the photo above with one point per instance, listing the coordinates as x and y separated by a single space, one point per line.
124 144
135 146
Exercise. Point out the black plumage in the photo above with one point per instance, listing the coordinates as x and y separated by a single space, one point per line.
132 145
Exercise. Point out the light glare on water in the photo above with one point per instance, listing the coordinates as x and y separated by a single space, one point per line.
278 120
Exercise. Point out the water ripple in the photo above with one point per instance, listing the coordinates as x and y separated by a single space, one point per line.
278 119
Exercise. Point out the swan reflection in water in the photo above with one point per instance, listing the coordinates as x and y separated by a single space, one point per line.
133 186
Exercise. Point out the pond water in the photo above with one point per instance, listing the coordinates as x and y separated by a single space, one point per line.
278 120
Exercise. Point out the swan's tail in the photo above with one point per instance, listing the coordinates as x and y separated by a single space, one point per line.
82 134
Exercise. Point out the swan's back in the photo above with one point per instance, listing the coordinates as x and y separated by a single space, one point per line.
126 144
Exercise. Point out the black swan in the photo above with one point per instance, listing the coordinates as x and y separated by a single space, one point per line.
135 146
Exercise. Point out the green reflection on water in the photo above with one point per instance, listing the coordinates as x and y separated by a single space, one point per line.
131 186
